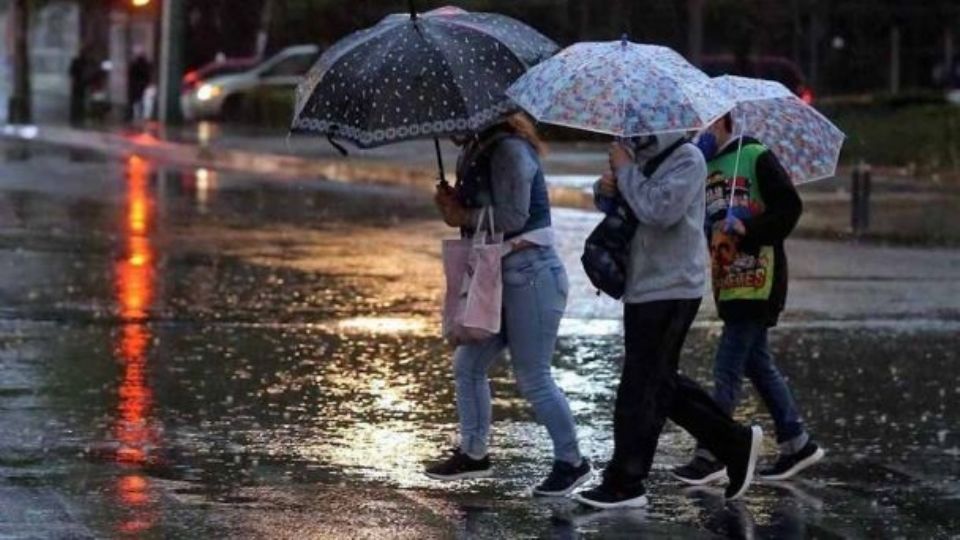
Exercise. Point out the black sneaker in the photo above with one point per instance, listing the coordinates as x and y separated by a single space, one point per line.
564 478
459 466
740 468
700 471
607 496
790 464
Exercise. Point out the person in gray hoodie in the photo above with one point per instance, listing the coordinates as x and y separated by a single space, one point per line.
660 178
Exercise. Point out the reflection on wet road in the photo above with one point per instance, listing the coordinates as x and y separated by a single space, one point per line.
134 285
189 353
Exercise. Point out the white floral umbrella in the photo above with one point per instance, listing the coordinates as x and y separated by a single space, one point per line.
805 142
620 88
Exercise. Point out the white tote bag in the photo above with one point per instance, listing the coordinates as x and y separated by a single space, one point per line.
474 295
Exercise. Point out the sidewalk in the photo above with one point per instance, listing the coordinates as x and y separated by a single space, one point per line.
270 151
274 154
905 209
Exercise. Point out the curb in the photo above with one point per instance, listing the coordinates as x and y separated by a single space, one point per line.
275 165
191 155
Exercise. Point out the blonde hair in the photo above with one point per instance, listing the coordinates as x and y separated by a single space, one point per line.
521 124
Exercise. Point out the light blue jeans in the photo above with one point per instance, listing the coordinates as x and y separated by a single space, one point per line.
535 288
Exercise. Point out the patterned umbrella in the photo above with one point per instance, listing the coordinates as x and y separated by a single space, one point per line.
806 143
620 88
434 74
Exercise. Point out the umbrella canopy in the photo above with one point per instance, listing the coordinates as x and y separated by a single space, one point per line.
620 88
806 143
434 74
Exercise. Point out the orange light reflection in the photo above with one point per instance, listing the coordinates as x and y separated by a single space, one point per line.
134 286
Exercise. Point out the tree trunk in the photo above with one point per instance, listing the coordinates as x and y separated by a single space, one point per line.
796 42
577 20
948 55
19 109
620 18
813 35
895 60
263 34
695 31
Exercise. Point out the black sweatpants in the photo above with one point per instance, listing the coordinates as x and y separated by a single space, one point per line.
651 390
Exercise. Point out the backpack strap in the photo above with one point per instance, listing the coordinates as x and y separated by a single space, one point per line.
651 166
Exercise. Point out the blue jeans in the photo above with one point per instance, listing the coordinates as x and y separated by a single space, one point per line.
744 350
535 291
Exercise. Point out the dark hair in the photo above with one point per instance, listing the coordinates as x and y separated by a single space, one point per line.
728 122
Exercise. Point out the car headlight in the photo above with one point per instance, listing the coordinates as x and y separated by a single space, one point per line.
206 92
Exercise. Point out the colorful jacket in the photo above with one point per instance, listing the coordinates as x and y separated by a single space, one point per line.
749 273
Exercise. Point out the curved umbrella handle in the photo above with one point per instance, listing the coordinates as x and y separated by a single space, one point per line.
443 175
338 146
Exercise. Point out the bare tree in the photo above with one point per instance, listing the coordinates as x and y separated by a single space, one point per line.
19 108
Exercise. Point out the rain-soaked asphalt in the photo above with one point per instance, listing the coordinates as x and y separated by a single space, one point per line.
195 354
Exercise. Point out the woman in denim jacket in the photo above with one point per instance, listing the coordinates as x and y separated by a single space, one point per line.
501 168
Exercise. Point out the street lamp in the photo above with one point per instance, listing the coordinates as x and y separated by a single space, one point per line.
140 3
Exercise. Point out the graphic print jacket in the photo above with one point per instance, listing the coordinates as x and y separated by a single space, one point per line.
750 272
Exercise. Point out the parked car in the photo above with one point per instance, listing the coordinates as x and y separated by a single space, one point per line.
222 96
217 68
777 68
949 80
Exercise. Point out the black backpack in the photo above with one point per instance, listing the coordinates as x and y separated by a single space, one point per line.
607 249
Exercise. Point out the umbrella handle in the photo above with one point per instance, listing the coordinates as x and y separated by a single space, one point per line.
443 175
338 146
733 182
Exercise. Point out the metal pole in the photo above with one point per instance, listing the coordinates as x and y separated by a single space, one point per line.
860 187
127 53
855 200
171 60
865 181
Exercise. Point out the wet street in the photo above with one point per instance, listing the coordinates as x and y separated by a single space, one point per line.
190 353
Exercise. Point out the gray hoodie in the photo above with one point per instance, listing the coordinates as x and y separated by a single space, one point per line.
668 253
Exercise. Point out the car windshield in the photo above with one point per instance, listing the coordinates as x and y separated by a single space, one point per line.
293 66
223 70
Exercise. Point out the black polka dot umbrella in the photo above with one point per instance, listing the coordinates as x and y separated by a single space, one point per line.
411 76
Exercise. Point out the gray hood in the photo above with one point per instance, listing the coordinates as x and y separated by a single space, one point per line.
644 152
666 140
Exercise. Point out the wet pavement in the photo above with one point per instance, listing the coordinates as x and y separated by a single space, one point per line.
188 353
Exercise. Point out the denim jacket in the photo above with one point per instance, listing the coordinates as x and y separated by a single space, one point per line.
503 170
